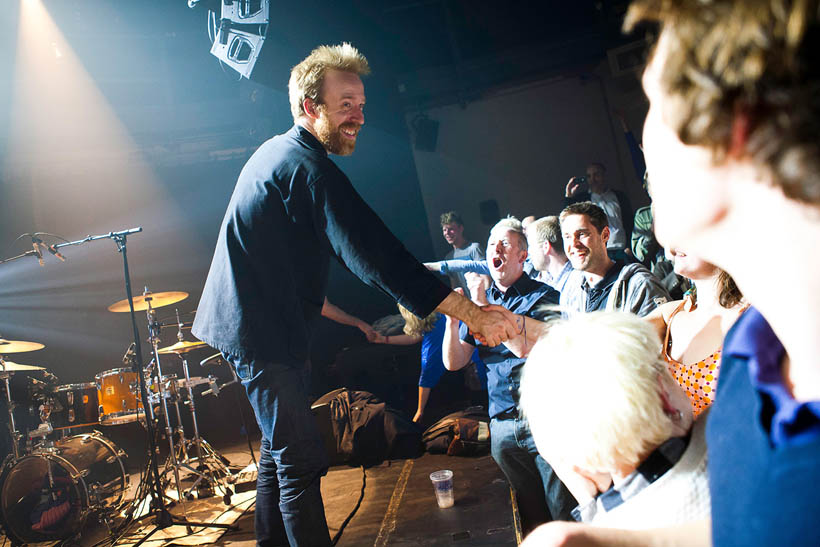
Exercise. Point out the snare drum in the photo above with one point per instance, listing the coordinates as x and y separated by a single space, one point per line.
48 495
118 403
75 405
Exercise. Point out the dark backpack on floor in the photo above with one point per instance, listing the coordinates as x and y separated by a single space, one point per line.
358 428
462 433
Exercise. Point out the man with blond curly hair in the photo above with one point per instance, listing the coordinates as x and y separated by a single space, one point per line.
291 209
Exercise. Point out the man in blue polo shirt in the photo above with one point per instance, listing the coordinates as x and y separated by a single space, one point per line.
732 142
540 494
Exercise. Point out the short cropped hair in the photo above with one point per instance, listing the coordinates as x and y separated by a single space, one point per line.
512 224
602 369
547 229
307 77
451 217
597 216
754 57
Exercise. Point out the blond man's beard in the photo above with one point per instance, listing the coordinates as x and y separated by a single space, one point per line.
331 136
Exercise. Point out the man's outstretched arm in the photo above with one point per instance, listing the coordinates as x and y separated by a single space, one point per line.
566 534
334 313
455 352
458 266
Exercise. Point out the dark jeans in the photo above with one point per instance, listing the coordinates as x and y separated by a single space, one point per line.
541 495
289 508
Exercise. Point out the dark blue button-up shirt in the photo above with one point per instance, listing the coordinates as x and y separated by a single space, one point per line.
525 297
292 209
764 446
789 421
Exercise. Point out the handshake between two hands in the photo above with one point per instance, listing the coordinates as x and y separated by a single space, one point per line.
497 325
494 324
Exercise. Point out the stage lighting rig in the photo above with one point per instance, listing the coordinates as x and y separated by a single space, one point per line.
238 33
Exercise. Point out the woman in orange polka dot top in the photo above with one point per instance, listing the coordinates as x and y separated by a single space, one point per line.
693 328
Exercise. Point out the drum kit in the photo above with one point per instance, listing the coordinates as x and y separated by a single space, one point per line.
62 471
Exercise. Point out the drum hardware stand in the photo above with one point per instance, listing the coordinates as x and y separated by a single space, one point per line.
153 338
15 436
164 518
208 466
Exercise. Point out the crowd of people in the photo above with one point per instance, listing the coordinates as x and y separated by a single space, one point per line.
619 415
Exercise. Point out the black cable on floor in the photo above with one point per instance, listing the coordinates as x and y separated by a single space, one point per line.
338 535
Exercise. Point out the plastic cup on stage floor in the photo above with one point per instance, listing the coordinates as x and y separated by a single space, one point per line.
443 485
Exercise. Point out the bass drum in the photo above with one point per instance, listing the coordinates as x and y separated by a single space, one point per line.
48 495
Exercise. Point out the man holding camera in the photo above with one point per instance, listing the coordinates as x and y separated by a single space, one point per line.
615 204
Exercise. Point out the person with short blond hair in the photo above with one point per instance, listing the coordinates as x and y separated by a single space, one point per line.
628 443
546 252
307 77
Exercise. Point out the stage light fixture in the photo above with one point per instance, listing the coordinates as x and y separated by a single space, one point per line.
240 32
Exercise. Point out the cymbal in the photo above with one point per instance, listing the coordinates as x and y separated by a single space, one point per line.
18 346
17 367
183 347
157 299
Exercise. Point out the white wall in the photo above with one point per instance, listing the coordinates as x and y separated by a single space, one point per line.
521 145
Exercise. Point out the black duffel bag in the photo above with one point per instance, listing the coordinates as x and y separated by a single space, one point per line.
358 428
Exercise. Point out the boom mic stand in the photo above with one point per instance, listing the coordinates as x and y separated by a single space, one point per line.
163 517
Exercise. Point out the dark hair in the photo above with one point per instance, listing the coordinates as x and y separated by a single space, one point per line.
729 294
451 217
597 216
599 165
754 58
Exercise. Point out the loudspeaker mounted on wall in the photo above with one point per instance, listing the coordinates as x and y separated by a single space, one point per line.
489 212
426 133
239 34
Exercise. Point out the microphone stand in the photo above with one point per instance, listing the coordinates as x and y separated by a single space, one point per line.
164 518
110 235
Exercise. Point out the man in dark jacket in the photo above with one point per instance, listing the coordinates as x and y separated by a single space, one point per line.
291 209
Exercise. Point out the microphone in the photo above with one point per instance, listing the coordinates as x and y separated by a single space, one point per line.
53 250
35 243
129 354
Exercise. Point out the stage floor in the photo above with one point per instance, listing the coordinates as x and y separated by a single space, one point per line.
399 506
